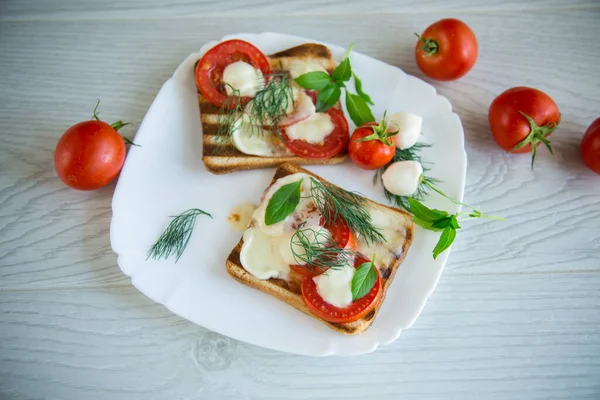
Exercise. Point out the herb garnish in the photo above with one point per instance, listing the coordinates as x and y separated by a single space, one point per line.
330 90
175 238
364 279
318 250
438 220
335 204
283 202
266 109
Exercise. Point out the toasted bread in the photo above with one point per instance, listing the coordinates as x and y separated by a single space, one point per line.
223 158
289 290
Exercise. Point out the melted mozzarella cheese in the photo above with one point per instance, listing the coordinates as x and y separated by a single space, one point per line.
253 140
392 228
335 286
261 257
313 129
409 128
243 77
298 67
402 178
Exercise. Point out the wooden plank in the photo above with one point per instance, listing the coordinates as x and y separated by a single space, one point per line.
24 10
508 337
53 72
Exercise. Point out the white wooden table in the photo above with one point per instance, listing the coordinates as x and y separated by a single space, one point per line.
516 314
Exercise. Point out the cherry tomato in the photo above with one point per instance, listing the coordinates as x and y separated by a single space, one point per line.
521 118
89 155
590 147
332 145
331 313
209 70
446 50
343 238
373 153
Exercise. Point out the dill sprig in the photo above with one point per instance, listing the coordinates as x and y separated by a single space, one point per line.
265 110
176 237
319 251
335 204
411 154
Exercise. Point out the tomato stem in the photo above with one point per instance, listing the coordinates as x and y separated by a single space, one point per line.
380 132
95 114
430 46
119 124
129 141
537 134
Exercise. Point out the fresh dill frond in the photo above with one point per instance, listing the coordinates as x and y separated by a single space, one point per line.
335 204
176 237
411 154
265 111
319 251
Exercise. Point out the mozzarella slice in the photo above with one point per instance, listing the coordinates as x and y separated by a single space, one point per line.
402 178
252 140
297 67
243 77
313 129
302 108
315 234
335 286
409 126
260 257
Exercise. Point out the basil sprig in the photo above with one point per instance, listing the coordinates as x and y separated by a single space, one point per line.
329 88
283 202
364 279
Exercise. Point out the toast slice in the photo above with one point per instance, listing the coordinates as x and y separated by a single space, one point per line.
289 290
221 160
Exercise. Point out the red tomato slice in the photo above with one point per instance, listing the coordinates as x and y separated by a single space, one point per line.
353 312
332 145
209 70
343 238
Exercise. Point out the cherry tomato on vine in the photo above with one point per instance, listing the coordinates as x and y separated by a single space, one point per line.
521 118
446 50
590 147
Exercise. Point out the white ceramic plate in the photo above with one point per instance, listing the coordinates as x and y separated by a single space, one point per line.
165 176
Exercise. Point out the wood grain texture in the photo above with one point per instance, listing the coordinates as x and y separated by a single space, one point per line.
511 337
515 315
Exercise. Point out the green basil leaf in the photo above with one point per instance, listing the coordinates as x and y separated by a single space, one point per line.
315 80
424 213
283 202
358 86
358 109
363 280
454 222
425 224
446 239
328 97
442 223
343 72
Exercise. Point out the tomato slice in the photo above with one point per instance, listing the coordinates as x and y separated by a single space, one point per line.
330 313
209 70
343 237
332 145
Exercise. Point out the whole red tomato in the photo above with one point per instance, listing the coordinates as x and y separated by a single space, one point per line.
371 146
89 155
521 118
590 147
446 50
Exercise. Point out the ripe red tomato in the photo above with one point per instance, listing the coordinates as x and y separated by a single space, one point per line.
209 70
521 118
446 50
331 313
590 147
89 155
333 144
373 153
